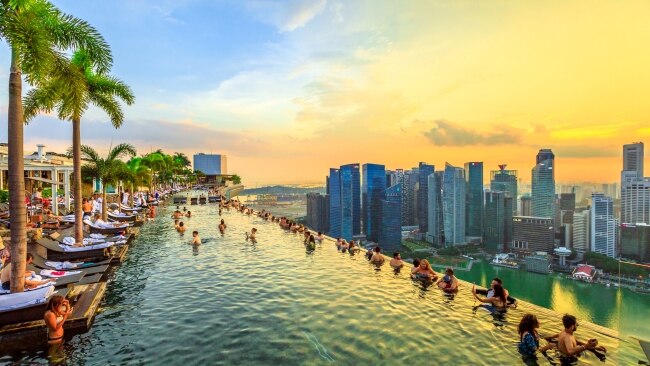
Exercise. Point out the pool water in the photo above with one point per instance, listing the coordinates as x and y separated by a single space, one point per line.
233 302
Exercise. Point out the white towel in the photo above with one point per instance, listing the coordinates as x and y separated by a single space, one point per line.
50 273
68 240
97 236
61 265
85 248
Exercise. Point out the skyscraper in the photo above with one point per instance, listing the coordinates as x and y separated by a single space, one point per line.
543 185
581 233
409 195
504 181
604 227
474 199
350 200
635 242
390 233
423 193
633 158
372 191
453 205
635 189
345 201
497 222
318 207
526 206
334 190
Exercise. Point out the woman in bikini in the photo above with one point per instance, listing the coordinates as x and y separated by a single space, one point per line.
58 310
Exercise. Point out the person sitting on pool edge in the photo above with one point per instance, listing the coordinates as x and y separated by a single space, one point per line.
57 312
449 282
397 261
529 340
181 227
377 257
196 240
424 271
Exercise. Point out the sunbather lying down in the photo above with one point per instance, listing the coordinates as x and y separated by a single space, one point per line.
31 279
99 223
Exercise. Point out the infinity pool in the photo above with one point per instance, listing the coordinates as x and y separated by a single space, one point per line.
231 302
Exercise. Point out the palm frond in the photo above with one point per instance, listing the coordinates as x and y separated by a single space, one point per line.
109 105
89 153
120 151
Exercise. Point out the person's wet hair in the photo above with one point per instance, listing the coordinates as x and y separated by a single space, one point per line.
181 224
569 320
377 249
54 302
497 280
500 293
449 271
396 254
416 262
195 232
528 324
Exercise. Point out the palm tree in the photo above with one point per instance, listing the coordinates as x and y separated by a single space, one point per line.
107 170
37 33
71 100
137 174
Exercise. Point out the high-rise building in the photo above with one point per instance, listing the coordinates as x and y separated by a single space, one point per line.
532 234
543 185
409 195
497 221
603 225
635 189
503 180
211 164
423 193
372 192
435 233
334 190
345 201
474 199
350 200
633 158
581 242
526 206
390 233
453 205
318 211
635 242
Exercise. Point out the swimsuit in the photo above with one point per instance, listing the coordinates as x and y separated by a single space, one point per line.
59 319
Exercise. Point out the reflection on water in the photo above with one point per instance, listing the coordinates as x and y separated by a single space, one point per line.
233 302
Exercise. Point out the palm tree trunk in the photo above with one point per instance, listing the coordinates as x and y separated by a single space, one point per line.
76 178
16 179
104 213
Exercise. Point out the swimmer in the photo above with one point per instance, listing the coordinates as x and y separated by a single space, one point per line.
529 340
251 235
188 214
449 282
377 257
353 248
344 246
222 226
397 261
58 311
176 224
181 227
497 303
319 238
311 244
424 271
196 240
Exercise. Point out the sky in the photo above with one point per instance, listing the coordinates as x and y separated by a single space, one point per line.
288 89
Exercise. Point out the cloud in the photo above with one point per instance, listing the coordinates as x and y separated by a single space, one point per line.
585 151
287 16
452 134
166 14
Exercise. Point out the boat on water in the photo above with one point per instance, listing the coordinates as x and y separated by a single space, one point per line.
505 260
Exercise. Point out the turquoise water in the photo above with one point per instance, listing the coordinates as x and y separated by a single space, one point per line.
231 302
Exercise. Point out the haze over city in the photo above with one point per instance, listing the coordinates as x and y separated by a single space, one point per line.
289 89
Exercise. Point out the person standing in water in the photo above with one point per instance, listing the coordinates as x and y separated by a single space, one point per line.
58 311
222 227
251 235
196 240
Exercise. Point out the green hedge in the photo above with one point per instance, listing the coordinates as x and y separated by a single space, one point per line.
47 192
4 196
610 265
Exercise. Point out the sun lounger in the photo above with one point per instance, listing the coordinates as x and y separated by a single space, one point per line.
90 267
26 306
202 200
108 230
61 281
127 218
56 253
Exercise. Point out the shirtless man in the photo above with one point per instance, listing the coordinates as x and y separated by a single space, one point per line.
181 227
377 257
567 344
196 239
87 207
222 226
397 261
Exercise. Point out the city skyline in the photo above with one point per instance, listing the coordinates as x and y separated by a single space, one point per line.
317 83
